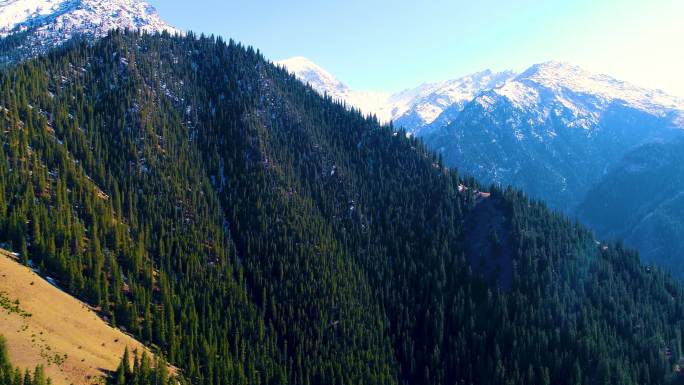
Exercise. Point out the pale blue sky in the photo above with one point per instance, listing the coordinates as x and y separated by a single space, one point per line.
394 44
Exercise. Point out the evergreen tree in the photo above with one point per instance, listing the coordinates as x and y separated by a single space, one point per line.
256 233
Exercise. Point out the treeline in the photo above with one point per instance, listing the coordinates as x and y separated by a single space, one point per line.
10 375
257 233
143 371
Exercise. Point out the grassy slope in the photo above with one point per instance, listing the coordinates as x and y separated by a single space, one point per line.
62 333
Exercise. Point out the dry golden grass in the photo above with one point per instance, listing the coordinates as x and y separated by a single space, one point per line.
63 334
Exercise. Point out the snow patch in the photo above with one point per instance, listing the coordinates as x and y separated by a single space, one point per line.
522 96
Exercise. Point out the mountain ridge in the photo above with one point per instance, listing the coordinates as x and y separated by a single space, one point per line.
567 82
412 108
34 27
419 109
327 84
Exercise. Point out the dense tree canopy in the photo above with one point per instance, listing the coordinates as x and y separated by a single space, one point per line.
257 233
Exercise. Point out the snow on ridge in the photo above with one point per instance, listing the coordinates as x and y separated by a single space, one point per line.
521 95
432 99
324 82
428 100
576 96
580 90
55 21
309 72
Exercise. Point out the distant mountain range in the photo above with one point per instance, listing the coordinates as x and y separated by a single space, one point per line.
543 89
564 135
553 130
414 109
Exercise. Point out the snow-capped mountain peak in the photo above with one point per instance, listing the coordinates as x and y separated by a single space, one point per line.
574 95
412 108
423 105
309 72
49 23
580 90
325 83
554 130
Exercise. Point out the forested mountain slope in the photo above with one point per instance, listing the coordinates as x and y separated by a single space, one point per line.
641 200
257 233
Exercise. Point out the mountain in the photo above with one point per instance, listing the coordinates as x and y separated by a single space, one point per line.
577 97
554 130
437 104
321 80
258 233
641 200
32 27
326 84
564 135
412 109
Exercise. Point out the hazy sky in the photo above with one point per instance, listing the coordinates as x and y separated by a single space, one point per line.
394 44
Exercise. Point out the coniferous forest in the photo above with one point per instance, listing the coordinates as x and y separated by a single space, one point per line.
143 371
254 232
